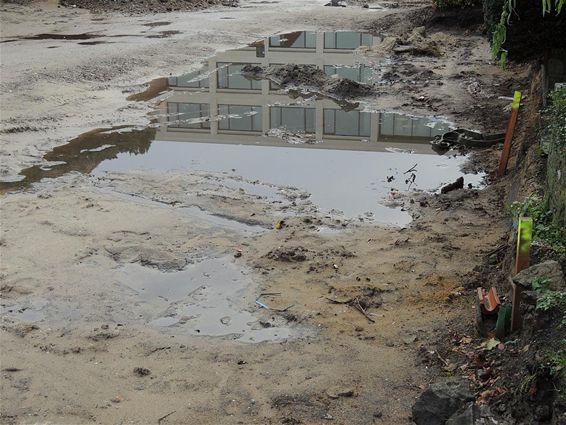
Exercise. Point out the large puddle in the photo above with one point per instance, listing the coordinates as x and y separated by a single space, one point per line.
264 133
351 158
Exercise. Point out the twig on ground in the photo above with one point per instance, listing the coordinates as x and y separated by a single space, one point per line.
165 416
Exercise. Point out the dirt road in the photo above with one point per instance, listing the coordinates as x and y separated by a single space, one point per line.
90 334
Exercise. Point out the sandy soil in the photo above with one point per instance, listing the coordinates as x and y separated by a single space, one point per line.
64 240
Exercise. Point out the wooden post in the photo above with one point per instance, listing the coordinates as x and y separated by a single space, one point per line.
524 239
509 135
522 261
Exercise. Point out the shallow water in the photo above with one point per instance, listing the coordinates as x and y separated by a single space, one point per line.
352 161
209 298
351 182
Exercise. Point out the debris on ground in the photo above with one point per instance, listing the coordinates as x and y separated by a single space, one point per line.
458 184
308 78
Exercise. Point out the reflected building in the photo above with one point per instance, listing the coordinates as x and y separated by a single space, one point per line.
218 104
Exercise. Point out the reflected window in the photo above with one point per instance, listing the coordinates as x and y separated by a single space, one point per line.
397 125
240 118
342 123
361 73
230 77
188 115
347 40
294 40
196 80
293 118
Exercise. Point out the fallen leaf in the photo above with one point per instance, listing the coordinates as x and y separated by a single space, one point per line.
491 344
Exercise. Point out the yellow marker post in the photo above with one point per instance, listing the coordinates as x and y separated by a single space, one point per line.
509 135
524 239
522 261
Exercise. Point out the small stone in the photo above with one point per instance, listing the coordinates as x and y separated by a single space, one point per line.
117 399
337 392
142 371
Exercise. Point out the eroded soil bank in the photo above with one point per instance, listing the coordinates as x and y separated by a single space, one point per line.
138 291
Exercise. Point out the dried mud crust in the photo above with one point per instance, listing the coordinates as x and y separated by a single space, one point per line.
135 7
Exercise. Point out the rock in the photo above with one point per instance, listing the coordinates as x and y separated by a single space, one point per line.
549 270
142 371
409 339
440 401
337 392
458 184
467 417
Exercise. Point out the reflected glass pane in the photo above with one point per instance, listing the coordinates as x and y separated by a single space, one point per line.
365 124
347 123
329 40
348 40
310 119
329 121
403 126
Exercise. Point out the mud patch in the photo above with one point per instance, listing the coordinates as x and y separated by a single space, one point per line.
84 36
164 34
157 24
154 89
84 153
211 298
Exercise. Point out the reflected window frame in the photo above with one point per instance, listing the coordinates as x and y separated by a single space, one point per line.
225 125
334 37
334 121
280 110
308 42
173 109
226 66
438 129
202 83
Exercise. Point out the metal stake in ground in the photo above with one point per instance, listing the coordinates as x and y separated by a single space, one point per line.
509 135
522 260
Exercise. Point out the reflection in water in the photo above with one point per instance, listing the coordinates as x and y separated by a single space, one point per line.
224 106
352 159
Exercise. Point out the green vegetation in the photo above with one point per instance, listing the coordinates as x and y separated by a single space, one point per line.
545 231
553 144
499 36
548 299
556 361
549 5
553 120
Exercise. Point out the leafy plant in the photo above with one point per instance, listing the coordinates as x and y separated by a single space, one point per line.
544 230
548 299
556 361
553 122
499 36
547 6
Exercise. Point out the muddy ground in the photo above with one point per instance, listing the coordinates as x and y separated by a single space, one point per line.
365 299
